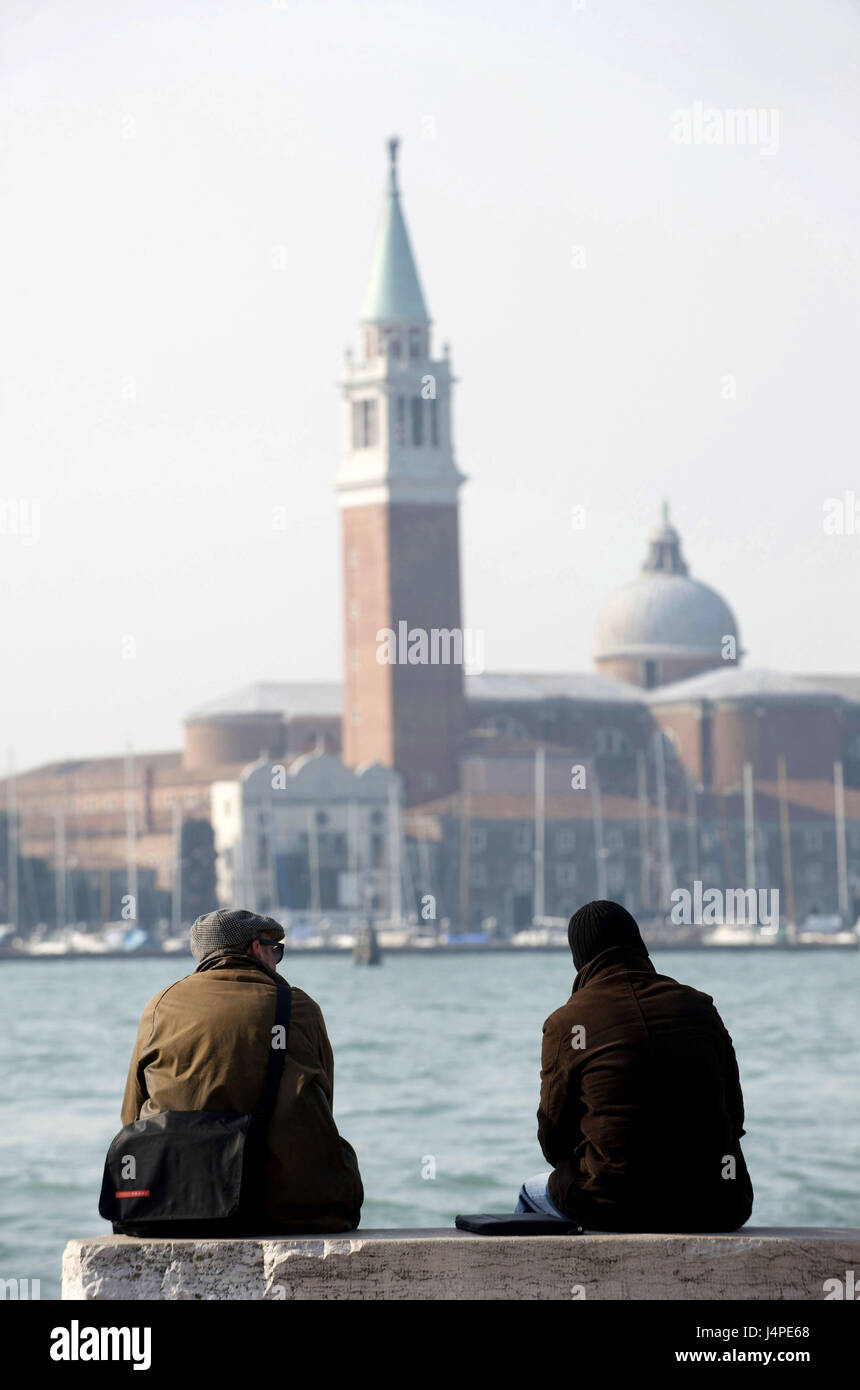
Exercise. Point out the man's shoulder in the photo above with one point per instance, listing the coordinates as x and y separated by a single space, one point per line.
304 1000
152 1004
559 1018
667 983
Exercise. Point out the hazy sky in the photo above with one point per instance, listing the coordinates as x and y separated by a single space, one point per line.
191 197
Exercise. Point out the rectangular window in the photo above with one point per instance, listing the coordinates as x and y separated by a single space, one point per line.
415 342
400 427
364 424
565 841
477 839
434 423
417 421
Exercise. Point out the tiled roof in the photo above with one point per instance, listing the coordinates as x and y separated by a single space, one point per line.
741 683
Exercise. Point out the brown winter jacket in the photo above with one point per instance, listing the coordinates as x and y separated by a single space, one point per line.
203 1043
641 1111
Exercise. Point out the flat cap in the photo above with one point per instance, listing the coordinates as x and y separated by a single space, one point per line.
229 929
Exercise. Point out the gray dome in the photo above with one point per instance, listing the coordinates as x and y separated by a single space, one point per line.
664 615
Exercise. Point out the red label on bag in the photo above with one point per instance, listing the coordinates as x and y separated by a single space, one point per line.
141 1192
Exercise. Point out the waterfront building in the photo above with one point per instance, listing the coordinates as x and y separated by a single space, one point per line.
310 836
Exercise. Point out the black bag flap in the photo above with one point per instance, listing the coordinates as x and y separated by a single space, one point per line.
180 1164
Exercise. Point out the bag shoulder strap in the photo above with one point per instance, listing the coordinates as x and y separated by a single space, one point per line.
277 1054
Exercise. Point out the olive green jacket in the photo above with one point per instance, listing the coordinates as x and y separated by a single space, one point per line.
203 1044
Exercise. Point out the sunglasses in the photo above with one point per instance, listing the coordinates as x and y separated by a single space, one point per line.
277 947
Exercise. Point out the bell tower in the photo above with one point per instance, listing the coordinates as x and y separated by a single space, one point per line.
397 489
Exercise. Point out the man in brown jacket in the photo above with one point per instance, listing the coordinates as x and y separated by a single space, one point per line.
641 1111
203 1044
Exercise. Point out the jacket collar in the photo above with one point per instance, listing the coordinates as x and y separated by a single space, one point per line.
615 959
233 960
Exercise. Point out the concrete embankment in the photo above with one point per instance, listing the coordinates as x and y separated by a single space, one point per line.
756 1263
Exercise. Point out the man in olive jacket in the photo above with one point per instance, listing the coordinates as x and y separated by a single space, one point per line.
641 1112
203 1044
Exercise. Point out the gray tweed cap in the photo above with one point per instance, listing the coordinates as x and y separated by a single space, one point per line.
229 929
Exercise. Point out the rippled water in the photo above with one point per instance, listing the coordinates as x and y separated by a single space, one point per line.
435 1058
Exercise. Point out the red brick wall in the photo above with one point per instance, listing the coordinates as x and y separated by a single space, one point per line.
401 563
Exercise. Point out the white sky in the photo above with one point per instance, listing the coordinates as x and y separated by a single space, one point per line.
155 156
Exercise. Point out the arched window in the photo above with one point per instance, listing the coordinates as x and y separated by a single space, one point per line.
611 743
364 435
417 421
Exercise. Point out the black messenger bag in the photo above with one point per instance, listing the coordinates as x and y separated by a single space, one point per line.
195 1172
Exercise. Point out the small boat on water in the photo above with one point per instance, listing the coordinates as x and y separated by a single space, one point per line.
367 950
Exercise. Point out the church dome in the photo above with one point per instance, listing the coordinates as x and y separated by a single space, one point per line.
664 625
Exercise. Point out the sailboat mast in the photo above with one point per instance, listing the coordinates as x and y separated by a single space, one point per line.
597 819
663 823
785 836
12 843
176 893
540 831
60 867
352 860
394 856
749 827
465 817
644 853
841 847
314 862
131 834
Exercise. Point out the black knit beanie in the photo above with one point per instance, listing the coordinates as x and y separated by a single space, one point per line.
599 925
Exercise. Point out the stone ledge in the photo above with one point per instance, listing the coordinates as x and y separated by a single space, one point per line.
755 1263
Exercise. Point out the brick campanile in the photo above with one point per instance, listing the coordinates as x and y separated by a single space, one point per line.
397 489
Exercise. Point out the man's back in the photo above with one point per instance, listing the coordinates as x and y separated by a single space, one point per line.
641 1108
203 1044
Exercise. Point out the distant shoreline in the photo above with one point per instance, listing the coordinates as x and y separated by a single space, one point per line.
302 952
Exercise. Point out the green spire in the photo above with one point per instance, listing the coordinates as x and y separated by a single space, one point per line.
394 291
